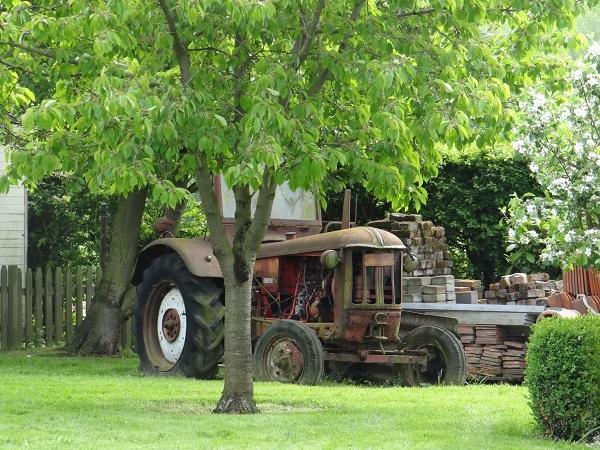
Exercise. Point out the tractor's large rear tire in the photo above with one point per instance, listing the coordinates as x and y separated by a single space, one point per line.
179 321
289 352
447 363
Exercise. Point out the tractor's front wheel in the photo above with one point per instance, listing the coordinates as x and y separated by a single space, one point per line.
446 360
179 320
289 352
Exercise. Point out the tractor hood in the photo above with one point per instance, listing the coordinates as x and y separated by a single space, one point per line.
352 237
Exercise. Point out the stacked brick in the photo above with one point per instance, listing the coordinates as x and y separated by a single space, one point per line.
493 351
424 240
468 291
522 289
424 289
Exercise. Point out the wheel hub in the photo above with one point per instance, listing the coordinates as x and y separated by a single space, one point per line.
171 325
285 362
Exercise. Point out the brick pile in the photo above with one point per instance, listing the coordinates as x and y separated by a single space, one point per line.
426 241
521 289
426 289
468 291
493 352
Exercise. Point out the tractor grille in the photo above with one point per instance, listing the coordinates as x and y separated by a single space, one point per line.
376 279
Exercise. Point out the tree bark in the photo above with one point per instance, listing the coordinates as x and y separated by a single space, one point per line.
238 391
99 332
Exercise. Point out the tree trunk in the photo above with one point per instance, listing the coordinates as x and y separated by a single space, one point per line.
99 332
238 392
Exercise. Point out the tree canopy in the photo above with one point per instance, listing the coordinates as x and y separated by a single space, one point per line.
300 88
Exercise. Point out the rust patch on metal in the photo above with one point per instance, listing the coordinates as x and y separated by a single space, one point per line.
266 268
378 259
171 324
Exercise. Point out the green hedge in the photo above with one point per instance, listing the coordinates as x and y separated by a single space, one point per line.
563 376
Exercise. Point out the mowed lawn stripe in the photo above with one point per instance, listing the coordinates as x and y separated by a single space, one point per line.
50 401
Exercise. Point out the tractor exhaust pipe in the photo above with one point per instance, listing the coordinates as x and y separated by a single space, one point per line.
346 209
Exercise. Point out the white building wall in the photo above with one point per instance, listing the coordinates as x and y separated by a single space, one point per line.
13 224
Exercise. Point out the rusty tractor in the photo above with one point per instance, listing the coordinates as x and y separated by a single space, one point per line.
322 302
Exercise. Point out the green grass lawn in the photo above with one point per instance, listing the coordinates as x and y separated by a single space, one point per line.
48 401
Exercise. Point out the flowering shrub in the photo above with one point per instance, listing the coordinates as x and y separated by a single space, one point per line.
561 138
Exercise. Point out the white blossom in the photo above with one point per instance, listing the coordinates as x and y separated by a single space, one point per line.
534 167
577 75
580 112
593 50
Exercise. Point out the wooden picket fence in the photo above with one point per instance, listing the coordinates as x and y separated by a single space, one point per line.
45 310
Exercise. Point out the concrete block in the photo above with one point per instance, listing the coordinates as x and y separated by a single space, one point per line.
538 277
412 298
415 290
466 297
501 293
417 281
505 281
518 278
442 279
434 289
468 283
434 298
450 296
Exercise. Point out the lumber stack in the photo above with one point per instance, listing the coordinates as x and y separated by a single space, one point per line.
522 289
513 360
424 240
492 352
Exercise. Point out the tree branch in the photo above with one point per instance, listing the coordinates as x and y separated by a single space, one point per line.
208 49
310 33
322 77
214 217
35 51
262 213
416 12
180 49
16 68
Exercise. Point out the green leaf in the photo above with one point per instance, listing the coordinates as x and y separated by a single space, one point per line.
221 120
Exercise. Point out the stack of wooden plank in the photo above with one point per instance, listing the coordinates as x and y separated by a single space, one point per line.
473 351
489 334
493 352
513 360
491 360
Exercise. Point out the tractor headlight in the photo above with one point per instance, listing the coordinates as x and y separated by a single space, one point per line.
330 259
409 262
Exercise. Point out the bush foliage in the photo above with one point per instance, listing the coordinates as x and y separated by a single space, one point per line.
466 198
563 376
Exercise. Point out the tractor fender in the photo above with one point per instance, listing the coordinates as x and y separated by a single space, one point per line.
410 320
196 254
